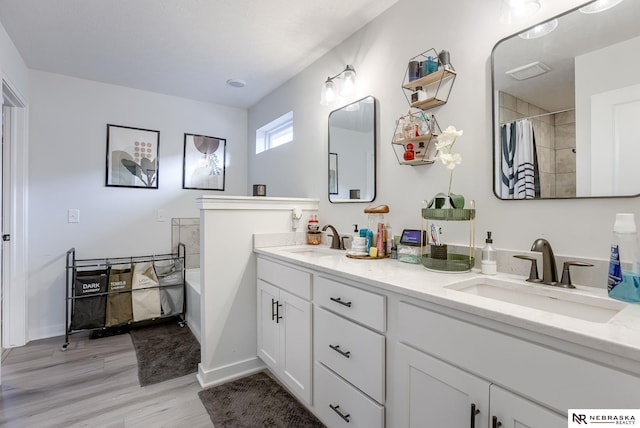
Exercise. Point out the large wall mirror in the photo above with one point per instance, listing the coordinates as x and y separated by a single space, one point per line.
352 152
566 106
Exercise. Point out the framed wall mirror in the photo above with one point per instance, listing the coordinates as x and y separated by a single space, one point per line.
352 152
566 106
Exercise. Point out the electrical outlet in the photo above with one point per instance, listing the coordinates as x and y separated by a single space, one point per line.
73 215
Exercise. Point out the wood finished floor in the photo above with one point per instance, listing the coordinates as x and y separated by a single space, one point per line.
93 384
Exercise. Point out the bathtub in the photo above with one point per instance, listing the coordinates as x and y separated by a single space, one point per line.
192 279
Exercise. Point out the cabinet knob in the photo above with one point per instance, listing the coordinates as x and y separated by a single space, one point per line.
342 415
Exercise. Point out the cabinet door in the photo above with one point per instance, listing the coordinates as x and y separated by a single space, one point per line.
295 344
435 394
513 411
268 329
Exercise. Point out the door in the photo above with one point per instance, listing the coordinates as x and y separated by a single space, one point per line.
268 328
614 141
295 344
513 411
435 394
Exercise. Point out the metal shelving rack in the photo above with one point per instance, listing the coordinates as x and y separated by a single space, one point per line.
454 262
74 265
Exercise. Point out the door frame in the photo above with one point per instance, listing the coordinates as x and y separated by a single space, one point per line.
15 215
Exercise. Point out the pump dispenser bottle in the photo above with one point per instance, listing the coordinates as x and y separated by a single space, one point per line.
489 265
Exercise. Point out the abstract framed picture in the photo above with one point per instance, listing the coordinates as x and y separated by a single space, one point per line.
132 157
203 162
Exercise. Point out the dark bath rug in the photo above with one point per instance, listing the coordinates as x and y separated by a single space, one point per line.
255 401
164 351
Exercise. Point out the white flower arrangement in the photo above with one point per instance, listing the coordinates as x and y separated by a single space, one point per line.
445 143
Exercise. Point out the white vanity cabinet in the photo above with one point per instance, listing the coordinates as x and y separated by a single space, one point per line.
284 324
440 395
517 381
349 354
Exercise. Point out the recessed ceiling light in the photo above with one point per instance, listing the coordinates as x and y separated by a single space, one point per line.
236 83
599 6
539 30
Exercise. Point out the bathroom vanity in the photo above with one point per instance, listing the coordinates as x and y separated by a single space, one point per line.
375 343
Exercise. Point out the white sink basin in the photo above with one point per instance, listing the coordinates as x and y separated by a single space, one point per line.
558 301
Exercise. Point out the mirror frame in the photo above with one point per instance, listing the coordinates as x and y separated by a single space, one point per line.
495 118
375 153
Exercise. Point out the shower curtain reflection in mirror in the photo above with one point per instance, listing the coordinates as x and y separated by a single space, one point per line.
519 173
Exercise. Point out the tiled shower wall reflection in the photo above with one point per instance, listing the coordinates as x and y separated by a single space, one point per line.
555 144
187 231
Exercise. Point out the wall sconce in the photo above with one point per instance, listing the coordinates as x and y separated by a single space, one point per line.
344 83
518 9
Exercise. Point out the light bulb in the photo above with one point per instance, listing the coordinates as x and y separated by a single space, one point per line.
599 6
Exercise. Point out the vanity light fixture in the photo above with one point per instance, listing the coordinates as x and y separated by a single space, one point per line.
599 6
518 9
539 30
345 80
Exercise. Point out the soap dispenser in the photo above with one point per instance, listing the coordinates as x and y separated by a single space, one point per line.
489 265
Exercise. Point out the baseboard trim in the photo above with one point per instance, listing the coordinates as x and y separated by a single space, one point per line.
218 375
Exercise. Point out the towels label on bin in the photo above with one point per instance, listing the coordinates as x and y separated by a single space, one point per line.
119 310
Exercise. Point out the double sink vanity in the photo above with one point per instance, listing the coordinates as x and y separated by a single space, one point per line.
375 343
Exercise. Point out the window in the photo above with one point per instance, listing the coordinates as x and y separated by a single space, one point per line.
275 133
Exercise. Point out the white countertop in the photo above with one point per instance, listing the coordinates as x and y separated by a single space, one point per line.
619 336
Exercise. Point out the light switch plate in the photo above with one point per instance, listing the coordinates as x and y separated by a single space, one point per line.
73 215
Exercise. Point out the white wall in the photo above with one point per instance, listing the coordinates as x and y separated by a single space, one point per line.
68 118
379 53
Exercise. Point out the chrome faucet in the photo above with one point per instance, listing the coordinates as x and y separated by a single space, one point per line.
336 243
549 271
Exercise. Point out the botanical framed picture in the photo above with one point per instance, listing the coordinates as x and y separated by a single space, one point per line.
203 162
333 173
132 157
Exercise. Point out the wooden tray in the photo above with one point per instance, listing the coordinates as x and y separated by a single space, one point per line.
351 256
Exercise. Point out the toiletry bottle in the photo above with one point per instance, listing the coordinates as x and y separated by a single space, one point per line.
432 66
489 265
313 225
624 264
409 154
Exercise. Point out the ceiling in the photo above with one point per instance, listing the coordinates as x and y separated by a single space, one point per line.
576 34
186 48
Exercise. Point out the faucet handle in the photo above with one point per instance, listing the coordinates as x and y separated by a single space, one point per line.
533 273
566 274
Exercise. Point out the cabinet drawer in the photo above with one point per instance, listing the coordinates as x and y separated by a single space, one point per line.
354 352
359 411
292 280
359 305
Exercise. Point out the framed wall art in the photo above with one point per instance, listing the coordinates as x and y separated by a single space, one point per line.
204 162
132 157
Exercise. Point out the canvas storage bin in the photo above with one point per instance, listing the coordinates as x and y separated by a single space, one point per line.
89 303
119 307
145 295
171 279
